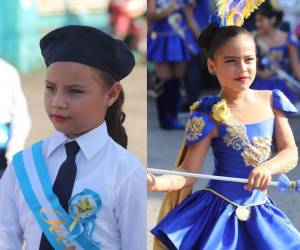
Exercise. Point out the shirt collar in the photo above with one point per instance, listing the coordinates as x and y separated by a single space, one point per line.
90 143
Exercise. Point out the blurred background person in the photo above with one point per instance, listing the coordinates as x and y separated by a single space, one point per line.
172 32
14 117
277 54
127 18
195 74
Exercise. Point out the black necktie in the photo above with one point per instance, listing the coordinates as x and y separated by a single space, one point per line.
64 183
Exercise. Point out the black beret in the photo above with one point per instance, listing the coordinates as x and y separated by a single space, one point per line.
90 46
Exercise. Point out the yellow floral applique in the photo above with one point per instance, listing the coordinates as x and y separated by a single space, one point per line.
194 128
221 112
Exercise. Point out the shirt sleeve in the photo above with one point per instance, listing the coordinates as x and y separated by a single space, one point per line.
20 119
131 210
10 228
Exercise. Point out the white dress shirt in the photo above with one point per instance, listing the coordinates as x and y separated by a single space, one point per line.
13 108
102 166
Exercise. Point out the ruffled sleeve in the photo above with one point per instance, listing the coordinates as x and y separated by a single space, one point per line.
198 126
281 102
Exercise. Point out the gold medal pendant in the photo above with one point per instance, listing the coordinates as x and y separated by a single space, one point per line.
242 213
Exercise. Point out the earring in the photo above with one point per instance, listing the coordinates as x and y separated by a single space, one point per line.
212 73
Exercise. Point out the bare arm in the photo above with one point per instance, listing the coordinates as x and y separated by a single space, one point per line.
192 163
293 53
190 19
287 156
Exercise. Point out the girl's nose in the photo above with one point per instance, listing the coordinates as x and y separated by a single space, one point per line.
59 101
243 66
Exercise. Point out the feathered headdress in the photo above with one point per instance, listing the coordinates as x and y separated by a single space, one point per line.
234 12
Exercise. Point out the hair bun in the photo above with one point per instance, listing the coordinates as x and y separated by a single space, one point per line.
206 36
279 15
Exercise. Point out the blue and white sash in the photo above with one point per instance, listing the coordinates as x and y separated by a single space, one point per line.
53 220
4 135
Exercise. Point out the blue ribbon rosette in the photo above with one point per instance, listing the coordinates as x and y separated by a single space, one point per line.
4 135
83 208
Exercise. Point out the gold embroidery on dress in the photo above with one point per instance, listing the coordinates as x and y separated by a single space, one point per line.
251 156
253 153
263 144
236 137
194 128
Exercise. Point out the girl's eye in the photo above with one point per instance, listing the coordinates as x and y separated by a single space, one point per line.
230 61
50 88
75 91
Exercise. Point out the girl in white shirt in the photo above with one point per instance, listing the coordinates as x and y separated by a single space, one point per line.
85 158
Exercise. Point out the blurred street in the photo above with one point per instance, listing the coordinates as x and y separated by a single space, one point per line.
163 147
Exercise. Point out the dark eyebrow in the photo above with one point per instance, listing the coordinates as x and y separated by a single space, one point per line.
236 57
68 86
231 57
49 82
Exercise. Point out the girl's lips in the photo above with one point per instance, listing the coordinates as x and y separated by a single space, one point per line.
58 118
242 79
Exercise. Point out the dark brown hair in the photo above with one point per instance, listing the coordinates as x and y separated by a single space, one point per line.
267 10
115 116
212 38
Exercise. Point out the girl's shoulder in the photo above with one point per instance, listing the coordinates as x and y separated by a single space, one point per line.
287 38
264 95
124 158
277 100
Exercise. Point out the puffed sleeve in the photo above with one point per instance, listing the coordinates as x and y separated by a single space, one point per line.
281 102
198 126
292 39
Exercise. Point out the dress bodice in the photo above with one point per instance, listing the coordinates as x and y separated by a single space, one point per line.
237 148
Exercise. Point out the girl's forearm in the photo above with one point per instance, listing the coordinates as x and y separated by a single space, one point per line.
284 161
167 183
297 71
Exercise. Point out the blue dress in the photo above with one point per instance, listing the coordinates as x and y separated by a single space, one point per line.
213 218
169 39
281 58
